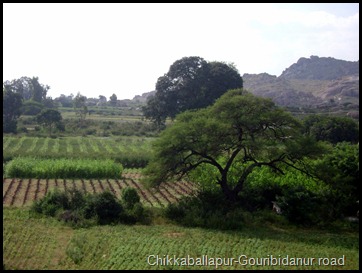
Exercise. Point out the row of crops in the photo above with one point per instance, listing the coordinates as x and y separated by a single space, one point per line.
22 192
131 152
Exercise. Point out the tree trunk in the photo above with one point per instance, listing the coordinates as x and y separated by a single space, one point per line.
231 195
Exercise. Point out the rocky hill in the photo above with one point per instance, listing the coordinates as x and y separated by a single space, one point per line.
312 82
316 68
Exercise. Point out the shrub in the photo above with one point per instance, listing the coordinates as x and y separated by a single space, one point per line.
207 209
51 203
301 206
76 248
130 197
82 210
105 207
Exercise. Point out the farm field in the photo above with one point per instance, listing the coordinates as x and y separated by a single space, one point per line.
45 243
68 146
132 152
22 192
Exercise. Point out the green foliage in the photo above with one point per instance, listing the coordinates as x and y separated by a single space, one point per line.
28 88
51 203
76 248
332 129
130 197
12 103
304 200
23 167
131 152
208 210
83 210
190 83
304 207
134 210
31 107
235 136
104 207
340 169
80 108
48 118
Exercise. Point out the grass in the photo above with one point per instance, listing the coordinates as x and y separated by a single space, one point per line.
149 247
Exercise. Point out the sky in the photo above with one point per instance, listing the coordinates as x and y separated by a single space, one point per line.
123 48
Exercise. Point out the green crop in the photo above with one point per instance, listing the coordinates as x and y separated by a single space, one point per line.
32 167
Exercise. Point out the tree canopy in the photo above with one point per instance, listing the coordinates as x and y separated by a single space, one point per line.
28 88
80 107
49 118
12 103
332 129
113 99
240 130
190 83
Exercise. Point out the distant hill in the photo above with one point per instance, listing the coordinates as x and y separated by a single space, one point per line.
316 68
310 83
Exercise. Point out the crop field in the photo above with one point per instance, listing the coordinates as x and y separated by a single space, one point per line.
72 146
44 243
132 152
22 192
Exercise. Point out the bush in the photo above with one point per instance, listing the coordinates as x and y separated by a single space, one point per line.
51 203
130 197
76 199
207 209
260 197
76 248
84 210
301 206
105 207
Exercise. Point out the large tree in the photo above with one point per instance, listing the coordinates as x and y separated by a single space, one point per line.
190 83
239 130
12 103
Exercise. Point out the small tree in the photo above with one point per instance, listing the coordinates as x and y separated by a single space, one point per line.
49 118
130 197
113 100
80 107
241 132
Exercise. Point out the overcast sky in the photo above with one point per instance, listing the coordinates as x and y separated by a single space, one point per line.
101 49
